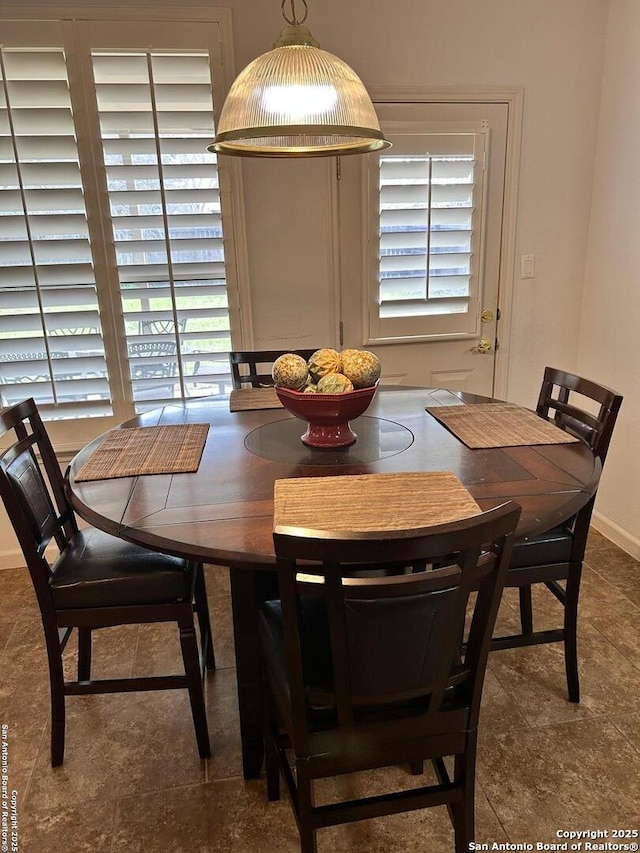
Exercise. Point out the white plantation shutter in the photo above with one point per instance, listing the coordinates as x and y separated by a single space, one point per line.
426 235
156 117
113 283
51 344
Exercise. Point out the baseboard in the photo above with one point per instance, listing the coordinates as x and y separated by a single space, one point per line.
11 559
616 534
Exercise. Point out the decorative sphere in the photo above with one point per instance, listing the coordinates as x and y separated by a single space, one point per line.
347 352
290 371
324 361
334 383
362 367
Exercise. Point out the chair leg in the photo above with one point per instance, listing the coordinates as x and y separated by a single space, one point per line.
56 687
190 656
463 811
272 760
84 654
308 842
204 622
272 763
526 609
416 767
571 632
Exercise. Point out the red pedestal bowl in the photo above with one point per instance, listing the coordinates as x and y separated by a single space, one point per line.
327 415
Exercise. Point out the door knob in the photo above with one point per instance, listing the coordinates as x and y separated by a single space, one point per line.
483 347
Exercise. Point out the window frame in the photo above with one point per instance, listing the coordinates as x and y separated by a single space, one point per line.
33 27
426 327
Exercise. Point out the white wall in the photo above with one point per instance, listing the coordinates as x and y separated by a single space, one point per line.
609 332
553 49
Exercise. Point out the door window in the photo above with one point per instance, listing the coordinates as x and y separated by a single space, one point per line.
426 234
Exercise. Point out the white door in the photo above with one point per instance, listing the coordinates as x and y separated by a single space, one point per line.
420 241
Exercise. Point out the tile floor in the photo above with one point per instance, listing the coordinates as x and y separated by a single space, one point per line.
132 780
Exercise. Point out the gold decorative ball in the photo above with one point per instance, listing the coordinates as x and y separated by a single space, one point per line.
290 371
334 383
324 361
362 367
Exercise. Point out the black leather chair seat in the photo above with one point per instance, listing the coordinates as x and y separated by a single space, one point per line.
553 546
100 570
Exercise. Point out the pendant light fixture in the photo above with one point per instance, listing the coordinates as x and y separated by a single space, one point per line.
297 101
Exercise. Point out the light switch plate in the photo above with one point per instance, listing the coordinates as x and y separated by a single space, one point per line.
527 266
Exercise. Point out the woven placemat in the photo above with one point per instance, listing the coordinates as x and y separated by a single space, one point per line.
372 501
498 425
246 399
173 449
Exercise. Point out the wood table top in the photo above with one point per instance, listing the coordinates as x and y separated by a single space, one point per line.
223 513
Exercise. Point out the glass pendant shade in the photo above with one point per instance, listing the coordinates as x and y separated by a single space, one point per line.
297 101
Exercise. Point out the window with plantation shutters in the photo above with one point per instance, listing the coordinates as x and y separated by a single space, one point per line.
426 197
156 117
113 281
51 344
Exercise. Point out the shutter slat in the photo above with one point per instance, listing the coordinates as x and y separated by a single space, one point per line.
122 97
53 276
209 246
423 308
169 146
55 200
156 272
48 276
56 323
58 174
189 200
142 122
183 289
183 172
39 148
177 222
38 94
59 122
17 297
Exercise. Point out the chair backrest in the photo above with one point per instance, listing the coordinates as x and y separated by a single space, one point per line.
162 326
149 359
33 491
67 331
558 401
396 639
253 367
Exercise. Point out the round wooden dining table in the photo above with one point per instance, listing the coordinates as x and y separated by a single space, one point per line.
223 512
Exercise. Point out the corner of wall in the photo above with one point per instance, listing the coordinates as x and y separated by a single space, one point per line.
622 538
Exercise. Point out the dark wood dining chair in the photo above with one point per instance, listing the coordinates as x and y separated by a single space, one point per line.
368 672
96 580
252 368
554 558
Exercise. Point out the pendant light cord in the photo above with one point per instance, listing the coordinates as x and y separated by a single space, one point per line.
293 20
